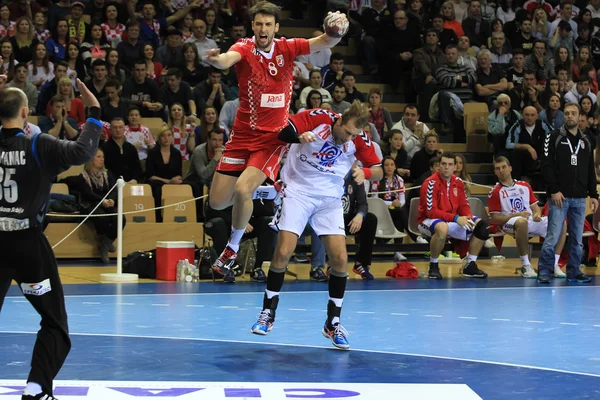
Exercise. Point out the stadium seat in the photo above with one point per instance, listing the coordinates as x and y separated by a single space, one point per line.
60 188
185 212
138 198
385 224
154 124
177 190
413 226
478 210
73 171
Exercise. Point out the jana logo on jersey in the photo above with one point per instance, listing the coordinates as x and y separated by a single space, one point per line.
328 154
517 204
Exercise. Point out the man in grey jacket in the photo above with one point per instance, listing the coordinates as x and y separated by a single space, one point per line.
20 82
203 163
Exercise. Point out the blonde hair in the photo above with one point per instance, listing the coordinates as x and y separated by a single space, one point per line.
357 111
163 131
172 123
64 80
30 35
541 26
448 4
88 165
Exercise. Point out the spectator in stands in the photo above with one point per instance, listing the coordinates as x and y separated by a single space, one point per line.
500 121
501 53
333 72
99 74
143 92
163 166
316 78
450 19
238 31
564 83
581 89
379 115
212 92
24 41
202 43
8 57
418 16
464 53
73 105
209 120
317 60
490 81
20 81
178 92
183 133
540 27
204 160
22 8
374 19
506 10
170 54
108 16
155 70
57 123
525 140
583 58
150 27
451 78
57 44
51 88
352 93
475 26
78 29
524 39
552 114
192 71
402 39
137 134
531 5
462 173
121 157
213 31
114 69
92 185
391 190
41 28
562 37
589 71
593 6
228 113
412 130
338 104
426 60
566 15
130 49
360 222
445 212
40 69
114 106
588 108
57 10
315 100
514 210
75 66
185 26
394 148
562 59
526 94
420 161
540 61
514 76
95 46
446 36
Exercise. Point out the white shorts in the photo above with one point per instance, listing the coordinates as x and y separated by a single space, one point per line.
325 214
534 228
455 231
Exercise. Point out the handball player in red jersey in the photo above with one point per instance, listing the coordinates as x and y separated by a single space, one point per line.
264 67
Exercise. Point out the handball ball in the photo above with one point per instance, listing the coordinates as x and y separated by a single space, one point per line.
335 25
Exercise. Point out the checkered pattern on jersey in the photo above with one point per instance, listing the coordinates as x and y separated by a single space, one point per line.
180 140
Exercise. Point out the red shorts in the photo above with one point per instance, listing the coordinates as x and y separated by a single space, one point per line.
263 151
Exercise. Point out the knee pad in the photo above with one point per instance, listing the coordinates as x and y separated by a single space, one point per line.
482 230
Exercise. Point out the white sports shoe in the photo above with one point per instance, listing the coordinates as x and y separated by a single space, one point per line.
399 257
421 240
558 272
528 272
489 244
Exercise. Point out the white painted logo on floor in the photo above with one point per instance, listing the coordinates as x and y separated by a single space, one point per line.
127 390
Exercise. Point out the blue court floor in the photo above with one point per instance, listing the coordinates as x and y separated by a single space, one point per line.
502 339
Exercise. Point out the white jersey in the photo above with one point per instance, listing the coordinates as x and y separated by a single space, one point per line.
318 169
512 199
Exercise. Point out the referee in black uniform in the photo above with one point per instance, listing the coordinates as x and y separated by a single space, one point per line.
28 166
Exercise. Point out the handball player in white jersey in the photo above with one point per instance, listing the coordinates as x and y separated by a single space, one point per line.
265 70
327 145
513 208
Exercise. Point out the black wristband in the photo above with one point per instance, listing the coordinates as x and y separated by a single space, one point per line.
94 112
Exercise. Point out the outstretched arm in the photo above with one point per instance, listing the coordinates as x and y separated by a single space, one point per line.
221 61
335 26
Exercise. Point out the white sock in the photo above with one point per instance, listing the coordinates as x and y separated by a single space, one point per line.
33 388
267 192
471 257
337 302
556 258
525 260
433 260
236 237
270 294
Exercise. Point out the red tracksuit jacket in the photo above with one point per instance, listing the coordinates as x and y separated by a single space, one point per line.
443 200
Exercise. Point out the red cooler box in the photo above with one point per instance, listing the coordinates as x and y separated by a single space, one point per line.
167 256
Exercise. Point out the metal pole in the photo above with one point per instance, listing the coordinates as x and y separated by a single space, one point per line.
121 184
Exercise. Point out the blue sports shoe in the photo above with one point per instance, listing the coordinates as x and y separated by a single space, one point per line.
264 323
338 336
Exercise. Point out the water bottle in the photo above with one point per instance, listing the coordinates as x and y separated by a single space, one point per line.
180 271
498 258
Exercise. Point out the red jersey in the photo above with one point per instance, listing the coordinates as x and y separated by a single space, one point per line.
441 199
266 82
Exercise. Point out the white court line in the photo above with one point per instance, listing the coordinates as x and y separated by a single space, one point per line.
535 322
160 305
365 312
433 315
394 313
467 317
126 304
568 323
500 319
297 309
91 302
321 347
325 291
194 305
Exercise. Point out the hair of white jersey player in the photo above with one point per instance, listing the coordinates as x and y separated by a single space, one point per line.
358 112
